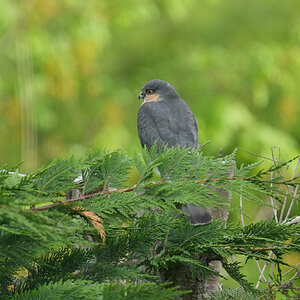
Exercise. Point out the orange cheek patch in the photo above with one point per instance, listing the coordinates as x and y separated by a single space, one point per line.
152 98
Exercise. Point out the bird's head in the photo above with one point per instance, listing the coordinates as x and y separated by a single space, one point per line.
156 90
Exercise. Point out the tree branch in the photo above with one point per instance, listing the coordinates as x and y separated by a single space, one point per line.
130 189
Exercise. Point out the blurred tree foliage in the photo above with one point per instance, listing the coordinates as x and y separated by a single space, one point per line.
70 72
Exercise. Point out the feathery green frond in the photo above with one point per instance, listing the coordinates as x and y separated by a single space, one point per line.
47 249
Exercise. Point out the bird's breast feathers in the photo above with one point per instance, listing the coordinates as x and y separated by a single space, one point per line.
172 122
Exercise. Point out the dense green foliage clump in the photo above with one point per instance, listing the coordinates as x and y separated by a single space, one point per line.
111 240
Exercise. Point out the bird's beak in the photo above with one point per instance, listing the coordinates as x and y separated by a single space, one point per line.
141 96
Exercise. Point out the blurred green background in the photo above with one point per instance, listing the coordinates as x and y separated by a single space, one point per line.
71 72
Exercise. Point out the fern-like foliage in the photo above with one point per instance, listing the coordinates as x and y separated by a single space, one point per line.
111 241
83 289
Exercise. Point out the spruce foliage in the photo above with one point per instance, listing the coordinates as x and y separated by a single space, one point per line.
112 240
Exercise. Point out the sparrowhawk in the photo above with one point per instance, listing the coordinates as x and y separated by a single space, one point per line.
164 118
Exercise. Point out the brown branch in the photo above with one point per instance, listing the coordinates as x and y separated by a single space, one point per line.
253 249
130 189
45 207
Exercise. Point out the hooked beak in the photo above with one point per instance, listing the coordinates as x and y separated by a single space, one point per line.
141 96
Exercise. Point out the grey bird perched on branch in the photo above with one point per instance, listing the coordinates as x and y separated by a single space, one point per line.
164 118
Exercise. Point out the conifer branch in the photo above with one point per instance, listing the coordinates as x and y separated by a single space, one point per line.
256 249
45 207
130 189
154 241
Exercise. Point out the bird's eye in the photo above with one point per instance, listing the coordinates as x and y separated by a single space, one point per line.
149 92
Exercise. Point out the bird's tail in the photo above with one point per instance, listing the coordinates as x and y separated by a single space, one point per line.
196 215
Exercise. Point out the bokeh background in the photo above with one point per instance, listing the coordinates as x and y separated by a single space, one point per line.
71 72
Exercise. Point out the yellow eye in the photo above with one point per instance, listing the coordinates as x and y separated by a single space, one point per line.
149 92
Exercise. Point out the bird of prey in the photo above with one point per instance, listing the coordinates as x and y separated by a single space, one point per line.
164 118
